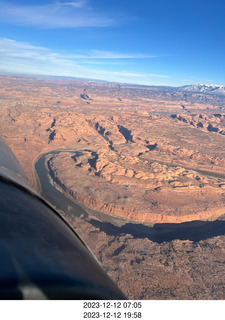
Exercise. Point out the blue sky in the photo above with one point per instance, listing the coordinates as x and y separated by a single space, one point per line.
161 42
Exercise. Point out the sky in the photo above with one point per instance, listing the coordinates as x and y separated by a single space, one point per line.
161 42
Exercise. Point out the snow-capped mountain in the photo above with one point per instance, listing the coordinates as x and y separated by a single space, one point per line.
204 88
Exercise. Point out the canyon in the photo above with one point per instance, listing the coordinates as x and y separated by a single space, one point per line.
137 159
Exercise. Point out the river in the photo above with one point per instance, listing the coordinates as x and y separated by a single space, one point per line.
194 231
56 198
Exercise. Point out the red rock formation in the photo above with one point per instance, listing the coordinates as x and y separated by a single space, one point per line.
145 173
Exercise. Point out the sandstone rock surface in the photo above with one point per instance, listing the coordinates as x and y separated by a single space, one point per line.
136 154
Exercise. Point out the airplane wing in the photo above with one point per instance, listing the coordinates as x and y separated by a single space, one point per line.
41 256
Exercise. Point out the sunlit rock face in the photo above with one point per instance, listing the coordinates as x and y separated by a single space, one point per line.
133 154
137 160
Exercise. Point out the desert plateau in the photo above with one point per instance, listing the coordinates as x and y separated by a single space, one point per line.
140 171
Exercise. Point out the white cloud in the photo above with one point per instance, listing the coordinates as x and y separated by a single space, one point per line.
108 55
75 4
23 57
8 45
99 54
20 48
73 14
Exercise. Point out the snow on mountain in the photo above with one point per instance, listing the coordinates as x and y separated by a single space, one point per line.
204 88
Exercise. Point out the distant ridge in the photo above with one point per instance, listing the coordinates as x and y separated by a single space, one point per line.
204 88
208 89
